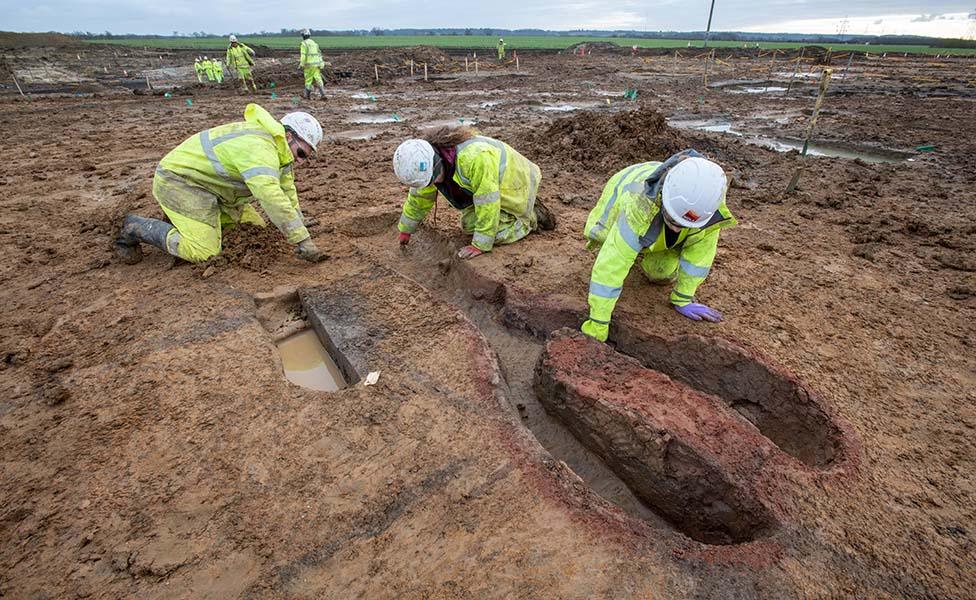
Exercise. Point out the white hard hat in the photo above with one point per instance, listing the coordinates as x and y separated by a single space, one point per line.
306 31
305 126
413 163
693 190
204 58
233 37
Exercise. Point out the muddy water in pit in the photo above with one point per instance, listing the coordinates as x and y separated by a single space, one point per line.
517 356
307 363
786 144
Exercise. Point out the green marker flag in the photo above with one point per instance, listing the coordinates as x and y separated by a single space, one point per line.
189 101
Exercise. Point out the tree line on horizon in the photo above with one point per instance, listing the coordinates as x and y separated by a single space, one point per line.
731 36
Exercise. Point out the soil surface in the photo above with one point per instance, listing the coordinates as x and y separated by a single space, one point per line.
151 447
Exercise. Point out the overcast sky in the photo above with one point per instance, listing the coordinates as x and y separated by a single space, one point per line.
945 18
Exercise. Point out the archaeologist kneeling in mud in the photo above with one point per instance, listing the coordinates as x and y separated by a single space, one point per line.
209 181
492 185
670 214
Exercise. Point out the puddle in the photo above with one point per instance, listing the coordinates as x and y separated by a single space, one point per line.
364 96
449 122
783 144
365 108
377 119
486 105
569 107
758 90
355 134
799 75
307 363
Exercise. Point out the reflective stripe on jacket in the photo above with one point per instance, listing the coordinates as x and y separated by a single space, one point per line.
499 179
311 54
241 162
239 57
627 221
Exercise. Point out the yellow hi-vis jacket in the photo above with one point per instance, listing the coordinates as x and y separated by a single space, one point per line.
240 162
311 54
626 221
239 57
499 179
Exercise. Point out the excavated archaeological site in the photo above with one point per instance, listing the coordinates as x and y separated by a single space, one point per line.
170 430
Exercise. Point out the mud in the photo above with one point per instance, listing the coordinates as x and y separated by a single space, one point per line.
606 141
153 447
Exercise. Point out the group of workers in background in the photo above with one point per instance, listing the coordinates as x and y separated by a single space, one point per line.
665 216
240 60
212 69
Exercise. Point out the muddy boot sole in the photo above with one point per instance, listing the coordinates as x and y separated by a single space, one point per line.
130 254
544 217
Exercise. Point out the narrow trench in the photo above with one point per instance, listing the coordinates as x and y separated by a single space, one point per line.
692 497
518 353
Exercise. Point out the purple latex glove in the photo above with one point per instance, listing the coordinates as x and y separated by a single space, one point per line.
699 312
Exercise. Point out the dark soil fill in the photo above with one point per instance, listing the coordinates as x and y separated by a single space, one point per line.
253 248
607 141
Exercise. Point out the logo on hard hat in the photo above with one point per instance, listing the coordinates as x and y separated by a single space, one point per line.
423 166
691 215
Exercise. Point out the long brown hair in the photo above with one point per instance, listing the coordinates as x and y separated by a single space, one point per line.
447 136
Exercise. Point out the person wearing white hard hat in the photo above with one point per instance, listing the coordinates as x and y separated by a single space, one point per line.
501 48
241 58
207 184
492 185
198 67
311 64
208 68
670 214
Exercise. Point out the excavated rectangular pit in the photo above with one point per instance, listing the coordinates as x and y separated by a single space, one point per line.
308 357
682 452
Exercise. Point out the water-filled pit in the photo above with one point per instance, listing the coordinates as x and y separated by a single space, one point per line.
308 364
784 144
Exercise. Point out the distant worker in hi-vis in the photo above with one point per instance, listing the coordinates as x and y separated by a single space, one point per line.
669 214
240 58
198 67
311 64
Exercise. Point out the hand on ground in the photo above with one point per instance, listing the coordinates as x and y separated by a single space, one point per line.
699 312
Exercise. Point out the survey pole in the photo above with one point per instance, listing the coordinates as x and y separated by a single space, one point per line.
708 29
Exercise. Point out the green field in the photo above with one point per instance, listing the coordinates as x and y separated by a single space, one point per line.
488 43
